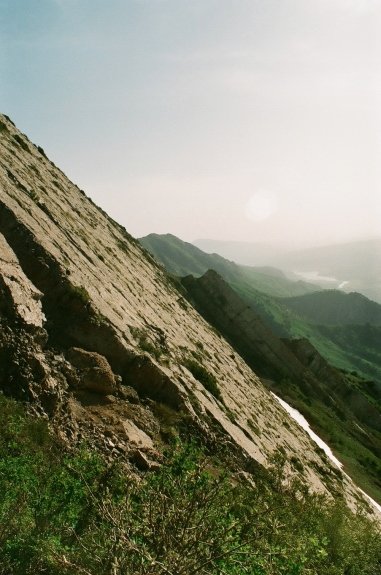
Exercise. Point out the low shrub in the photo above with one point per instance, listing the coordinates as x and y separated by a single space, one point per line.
203 376
70 513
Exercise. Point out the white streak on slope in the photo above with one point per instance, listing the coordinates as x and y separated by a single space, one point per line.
301 420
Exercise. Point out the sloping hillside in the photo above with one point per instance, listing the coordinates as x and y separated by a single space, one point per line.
350 322
95 334
349 347
254 322
338 405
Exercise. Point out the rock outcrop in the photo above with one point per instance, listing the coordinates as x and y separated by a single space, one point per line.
95 373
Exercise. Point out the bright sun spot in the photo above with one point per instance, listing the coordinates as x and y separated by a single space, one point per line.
261 206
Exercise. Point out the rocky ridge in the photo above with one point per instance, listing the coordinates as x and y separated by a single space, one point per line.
94 334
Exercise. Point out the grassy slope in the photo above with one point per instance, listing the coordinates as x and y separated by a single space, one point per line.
350 347
350 322
68 512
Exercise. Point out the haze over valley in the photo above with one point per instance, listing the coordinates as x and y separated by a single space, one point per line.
350 266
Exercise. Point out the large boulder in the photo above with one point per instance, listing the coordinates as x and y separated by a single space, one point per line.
95 373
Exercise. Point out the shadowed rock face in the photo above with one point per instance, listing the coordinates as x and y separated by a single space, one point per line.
271 357
311 359
71 277
240 324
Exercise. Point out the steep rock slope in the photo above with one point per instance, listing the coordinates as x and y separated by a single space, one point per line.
93 331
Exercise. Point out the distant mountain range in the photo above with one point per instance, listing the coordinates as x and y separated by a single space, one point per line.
333 307
291 309
182 258
352 266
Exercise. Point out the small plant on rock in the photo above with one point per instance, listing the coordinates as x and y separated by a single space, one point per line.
202 375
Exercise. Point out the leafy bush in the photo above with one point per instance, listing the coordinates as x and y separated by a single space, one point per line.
80 294
34 196
42 151
71 514
145 344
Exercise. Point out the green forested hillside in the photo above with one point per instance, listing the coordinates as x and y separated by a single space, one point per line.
362 343
350 347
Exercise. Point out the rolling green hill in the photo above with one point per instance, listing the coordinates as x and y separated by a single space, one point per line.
333 307
355 347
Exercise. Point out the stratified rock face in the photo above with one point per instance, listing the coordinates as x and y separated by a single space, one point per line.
360 406
308 355
70 277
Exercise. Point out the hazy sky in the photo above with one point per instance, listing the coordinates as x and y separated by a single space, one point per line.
231 119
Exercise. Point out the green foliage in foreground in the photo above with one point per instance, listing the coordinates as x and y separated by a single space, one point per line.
72 514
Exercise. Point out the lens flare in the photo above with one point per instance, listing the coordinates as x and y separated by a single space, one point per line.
261 206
